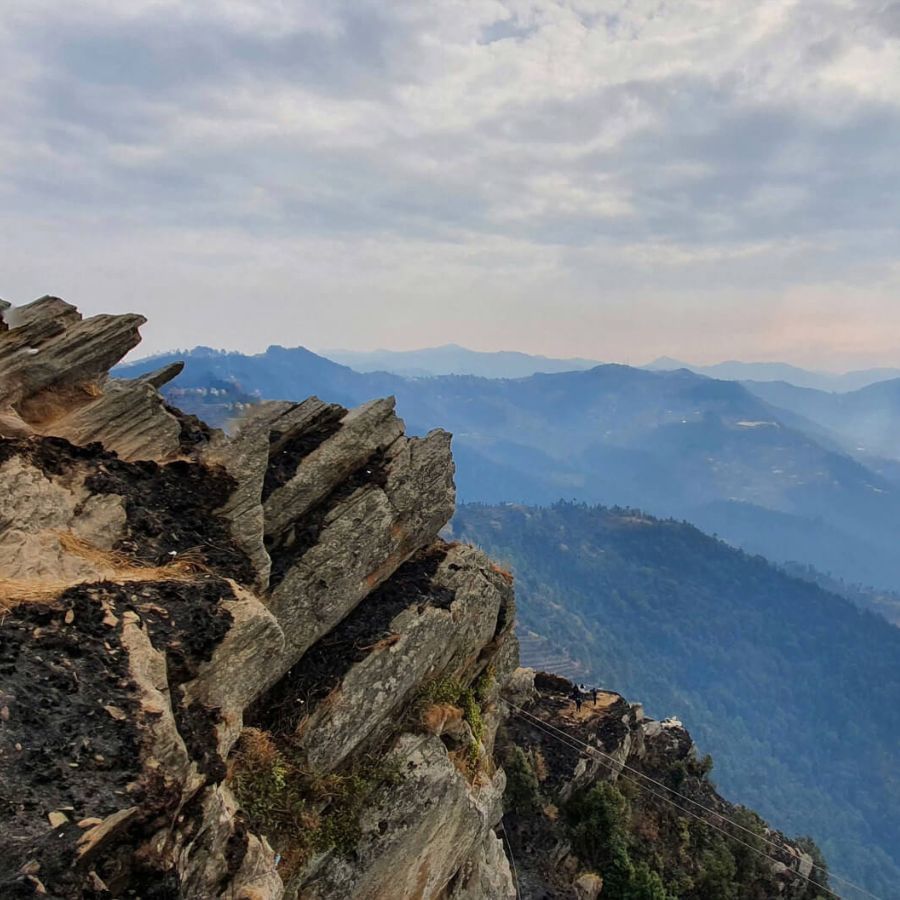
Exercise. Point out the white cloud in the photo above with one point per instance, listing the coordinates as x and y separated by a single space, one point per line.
494 151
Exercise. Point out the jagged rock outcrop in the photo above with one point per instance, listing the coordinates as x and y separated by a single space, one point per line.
604 801
53 381
419 834
219 654
412 643
246 666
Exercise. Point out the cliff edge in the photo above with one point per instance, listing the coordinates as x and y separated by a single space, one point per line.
246 666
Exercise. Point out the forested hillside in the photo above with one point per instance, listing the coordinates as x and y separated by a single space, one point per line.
795 691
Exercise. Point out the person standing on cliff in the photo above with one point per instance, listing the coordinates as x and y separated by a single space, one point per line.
595 693
576 696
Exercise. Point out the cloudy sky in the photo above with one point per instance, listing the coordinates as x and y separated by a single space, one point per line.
701 178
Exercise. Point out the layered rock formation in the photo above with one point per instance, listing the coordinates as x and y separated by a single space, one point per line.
173 598
245 666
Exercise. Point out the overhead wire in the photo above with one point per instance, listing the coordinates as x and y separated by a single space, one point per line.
581 746
665 787
659 784
575 744
512 860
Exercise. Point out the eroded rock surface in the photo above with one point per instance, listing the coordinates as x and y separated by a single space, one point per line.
166 586
419 833
245 666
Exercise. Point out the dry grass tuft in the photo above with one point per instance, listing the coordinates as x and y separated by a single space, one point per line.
436 717
257 748
539 764
110 565
505 574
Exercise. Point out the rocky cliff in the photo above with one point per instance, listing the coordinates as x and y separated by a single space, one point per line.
602 797
246 666
216 652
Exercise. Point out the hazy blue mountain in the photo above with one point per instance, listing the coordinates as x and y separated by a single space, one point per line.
675 443
451 359
794 690
733 370
866 421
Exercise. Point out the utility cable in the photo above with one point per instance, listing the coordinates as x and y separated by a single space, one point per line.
665 787
512 860
577 744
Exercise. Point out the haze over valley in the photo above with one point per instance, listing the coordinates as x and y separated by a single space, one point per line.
674 443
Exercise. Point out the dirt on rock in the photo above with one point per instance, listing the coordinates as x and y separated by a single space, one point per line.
171 510
194 431
53 456
286 455
187 621
68 741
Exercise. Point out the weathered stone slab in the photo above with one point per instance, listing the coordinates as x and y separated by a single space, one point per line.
418 834
431 641
363 432
129 418
363 540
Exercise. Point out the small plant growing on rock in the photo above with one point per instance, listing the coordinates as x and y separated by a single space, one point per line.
269 790
485 683
442 690
472 714
445 692
300 813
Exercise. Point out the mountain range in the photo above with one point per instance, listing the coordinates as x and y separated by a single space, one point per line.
866 422
733 370
451 359
765 478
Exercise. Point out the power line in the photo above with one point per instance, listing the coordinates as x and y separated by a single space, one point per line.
512 860
576 744
681 796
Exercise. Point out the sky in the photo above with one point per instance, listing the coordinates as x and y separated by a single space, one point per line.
706 179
